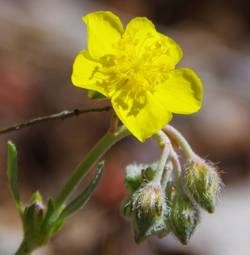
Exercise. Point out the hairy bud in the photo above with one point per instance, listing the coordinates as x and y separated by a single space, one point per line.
184 217
149 200
149 211
203 183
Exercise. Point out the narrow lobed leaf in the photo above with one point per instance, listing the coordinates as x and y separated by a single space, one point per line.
12 172
84 196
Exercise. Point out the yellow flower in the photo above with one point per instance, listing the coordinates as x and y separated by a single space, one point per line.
135 69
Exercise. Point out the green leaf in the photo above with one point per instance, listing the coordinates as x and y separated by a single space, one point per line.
49 219
145 227
84 196
57 226
12 173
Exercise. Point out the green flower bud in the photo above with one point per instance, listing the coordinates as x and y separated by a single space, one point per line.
203 183
184 216
33 215
149 210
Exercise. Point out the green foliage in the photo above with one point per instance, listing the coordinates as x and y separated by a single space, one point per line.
40 220
84 196
12 173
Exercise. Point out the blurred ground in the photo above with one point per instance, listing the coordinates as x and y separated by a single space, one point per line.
38 42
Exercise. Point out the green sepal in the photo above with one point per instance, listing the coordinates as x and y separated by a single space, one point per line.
149 173
145 227
95 95
126 207
137 174
133 176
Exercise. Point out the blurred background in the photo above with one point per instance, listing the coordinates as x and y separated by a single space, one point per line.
38 43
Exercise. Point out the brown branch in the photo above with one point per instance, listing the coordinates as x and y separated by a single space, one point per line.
57 116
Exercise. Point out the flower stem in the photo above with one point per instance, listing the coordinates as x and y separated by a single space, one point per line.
168 153
179 138
177 168
113 123
166 145
96 152
24 249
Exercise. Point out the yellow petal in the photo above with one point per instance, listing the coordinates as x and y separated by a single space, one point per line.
141 33
104 31
86 73
143 116
171 51
182 92
140 27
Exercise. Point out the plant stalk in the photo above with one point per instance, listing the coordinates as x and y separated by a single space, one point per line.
24 249
180 139
91 158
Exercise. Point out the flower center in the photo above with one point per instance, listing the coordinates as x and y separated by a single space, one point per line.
137 68
139 65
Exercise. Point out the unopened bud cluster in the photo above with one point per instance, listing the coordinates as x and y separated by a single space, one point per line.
172 206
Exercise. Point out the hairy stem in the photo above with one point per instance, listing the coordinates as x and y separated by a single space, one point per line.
168 153
177 168
166 145
182 142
